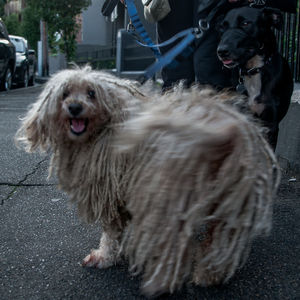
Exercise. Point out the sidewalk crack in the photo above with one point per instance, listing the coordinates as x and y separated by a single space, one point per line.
22 184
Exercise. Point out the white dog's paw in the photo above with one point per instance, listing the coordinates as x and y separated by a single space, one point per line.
99 259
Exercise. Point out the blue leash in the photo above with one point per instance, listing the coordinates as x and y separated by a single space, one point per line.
136 22
173 39
183 47
168 58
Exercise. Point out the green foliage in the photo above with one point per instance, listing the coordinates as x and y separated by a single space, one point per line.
31 26
13 25
61 19
103 64
2 3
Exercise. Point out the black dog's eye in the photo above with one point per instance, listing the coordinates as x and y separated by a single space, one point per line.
92 94
66 94
245 23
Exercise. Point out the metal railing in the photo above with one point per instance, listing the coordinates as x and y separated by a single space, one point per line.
288 40
103 58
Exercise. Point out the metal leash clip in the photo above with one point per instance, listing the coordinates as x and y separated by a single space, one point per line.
198 32
130 27
203 25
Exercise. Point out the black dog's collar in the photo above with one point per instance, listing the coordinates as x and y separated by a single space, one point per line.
250 72
253 71
246 72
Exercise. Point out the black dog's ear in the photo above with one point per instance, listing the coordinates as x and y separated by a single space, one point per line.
273 17
220 25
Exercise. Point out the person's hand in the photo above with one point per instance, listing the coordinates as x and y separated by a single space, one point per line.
123 1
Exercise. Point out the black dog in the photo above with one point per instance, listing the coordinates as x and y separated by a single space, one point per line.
248 43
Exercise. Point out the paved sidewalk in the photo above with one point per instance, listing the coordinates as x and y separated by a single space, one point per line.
42 241
288 147
296 94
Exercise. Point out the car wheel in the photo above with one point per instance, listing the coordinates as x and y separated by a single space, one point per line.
25 79
7 80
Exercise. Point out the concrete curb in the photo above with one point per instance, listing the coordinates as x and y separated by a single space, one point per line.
41 80
296 94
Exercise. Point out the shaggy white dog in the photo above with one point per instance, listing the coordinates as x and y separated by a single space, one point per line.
182 182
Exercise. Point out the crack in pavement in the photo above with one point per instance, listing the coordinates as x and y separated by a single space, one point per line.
26 184
21 182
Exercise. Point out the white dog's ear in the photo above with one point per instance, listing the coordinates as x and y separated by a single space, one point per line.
34 132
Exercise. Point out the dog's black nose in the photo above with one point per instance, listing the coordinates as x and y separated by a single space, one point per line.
75 109
223 51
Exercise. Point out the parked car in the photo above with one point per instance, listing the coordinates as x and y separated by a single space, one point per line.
26 64
7 58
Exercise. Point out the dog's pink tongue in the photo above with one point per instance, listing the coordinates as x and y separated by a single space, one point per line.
227 62
78 125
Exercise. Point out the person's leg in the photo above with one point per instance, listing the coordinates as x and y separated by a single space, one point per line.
180 18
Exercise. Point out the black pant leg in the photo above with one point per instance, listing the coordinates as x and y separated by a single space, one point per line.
180 18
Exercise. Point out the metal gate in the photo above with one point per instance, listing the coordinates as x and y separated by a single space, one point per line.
288 40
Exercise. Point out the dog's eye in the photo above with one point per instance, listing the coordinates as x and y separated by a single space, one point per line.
66 94
245 23
91 94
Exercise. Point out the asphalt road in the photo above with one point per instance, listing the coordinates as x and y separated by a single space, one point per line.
42 241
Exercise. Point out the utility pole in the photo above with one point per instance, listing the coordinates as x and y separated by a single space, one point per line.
44 50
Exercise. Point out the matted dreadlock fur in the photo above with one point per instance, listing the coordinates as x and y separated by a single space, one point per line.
188 188
85 163
202 189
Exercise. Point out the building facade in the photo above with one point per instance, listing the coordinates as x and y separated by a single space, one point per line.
14 7
96 30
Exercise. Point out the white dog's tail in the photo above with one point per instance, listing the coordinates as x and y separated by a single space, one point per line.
201 191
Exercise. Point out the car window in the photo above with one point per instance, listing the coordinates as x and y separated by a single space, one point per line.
19 44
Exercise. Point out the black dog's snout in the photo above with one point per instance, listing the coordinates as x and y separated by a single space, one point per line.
223 51
75 109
